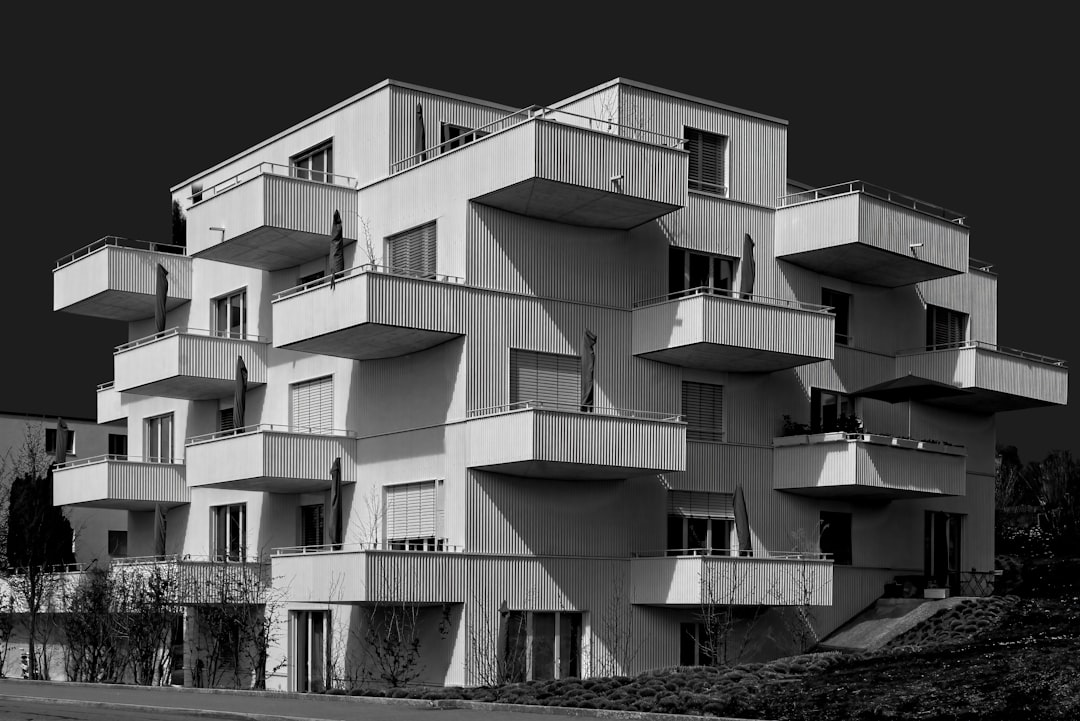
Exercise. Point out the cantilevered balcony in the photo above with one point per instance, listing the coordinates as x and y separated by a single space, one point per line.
188 363
370 312
867 465
116 278
999 378
867 234
270 217
370 573
109 406
694 581
274 459
543 440
559 166
123 482
193 580
722 331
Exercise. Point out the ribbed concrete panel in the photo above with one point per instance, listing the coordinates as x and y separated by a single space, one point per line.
271 461
868 240
368 315
697 581
271 221
129 485
120 283
558 444
109 406
839 465
186 365
999 380
728 334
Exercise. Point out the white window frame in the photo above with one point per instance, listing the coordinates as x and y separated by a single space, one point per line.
222 547
293 420
722 188
215 314
301 164
436 540
154 426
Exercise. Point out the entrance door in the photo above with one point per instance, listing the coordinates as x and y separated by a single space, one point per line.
942 549
309 650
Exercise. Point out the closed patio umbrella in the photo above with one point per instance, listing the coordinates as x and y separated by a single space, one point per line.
337 249
60 453
421 139
907 389
161 297
749 269
588 368
334 525
159 529
742 523
240 394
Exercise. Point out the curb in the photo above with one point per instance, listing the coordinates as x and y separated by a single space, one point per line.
143 708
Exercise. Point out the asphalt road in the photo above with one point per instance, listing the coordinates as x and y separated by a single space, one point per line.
18 710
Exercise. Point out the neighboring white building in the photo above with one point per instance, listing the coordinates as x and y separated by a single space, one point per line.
444 368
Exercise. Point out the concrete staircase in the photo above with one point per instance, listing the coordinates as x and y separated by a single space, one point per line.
882 622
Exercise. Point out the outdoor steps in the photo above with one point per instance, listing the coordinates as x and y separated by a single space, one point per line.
884 621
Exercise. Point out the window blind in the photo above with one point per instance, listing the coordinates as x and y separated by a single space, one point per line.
701 504
311 404
413 510
414 250
703 408
311 525
707 161
548 378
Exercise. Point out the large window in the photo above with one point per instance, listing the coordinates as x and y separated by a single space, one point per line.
703 410
311 405
688 269
118 544
315 164
542 645
230 315
311 524
414 516
454 136
695 646
945 326
700 523
547 378
708 161
50 441
311 650
414 251
831 411
118 444
158 439
841 303
836 536
229 532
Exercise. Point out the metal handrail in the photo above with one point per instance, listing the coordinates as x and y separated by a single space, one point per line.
981 265
120 242
120 457
745 554
734 295
268 427
267 168
360 547
186 558
367 268
180 330
106 386
534 112
569 408
875 191
1016 352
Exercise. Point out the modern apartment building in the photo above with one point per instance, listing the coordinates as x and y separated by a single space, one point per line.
590 370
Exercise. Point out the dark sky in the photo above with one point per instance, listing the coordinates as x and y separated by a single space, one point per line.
107 110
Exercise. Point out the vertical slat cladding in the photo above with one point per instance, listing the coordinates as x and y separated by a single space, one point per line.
894 228
953 292
982 302
148 482
590 158
750 139
209 357
602 105
109 406
720 467
850 370
135 271
81 279
912 469
148 363
412 303
1020 376
767 327
415 577
437 109
296 455
854 588
239 209
956 366
818 224
608 441
767 582
301 205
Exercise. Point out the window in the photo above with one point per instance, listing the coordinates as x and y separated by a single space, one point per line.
703 410
830 411
311 525
158 439
414 516
118 544
945 326
315 164
841 303
688 270
454 136
695 647
414 251
700 523
543 645
50 441
836 536
311 405
117 444
311 650
230 315
310 277
708 161
547 378
225 419
230 531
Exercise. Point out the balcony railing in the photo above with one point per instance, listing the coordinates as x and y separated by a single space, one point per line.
361 547
569 408
875 191
262 427
533 112
1005 350
195 580
735 295
286 171
168 332
120 242
120 481
367 268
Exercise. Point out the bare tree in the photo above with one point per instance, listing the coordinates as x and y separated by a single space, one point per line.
148 607
725 615
93 650
617 631
799 618
369 245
